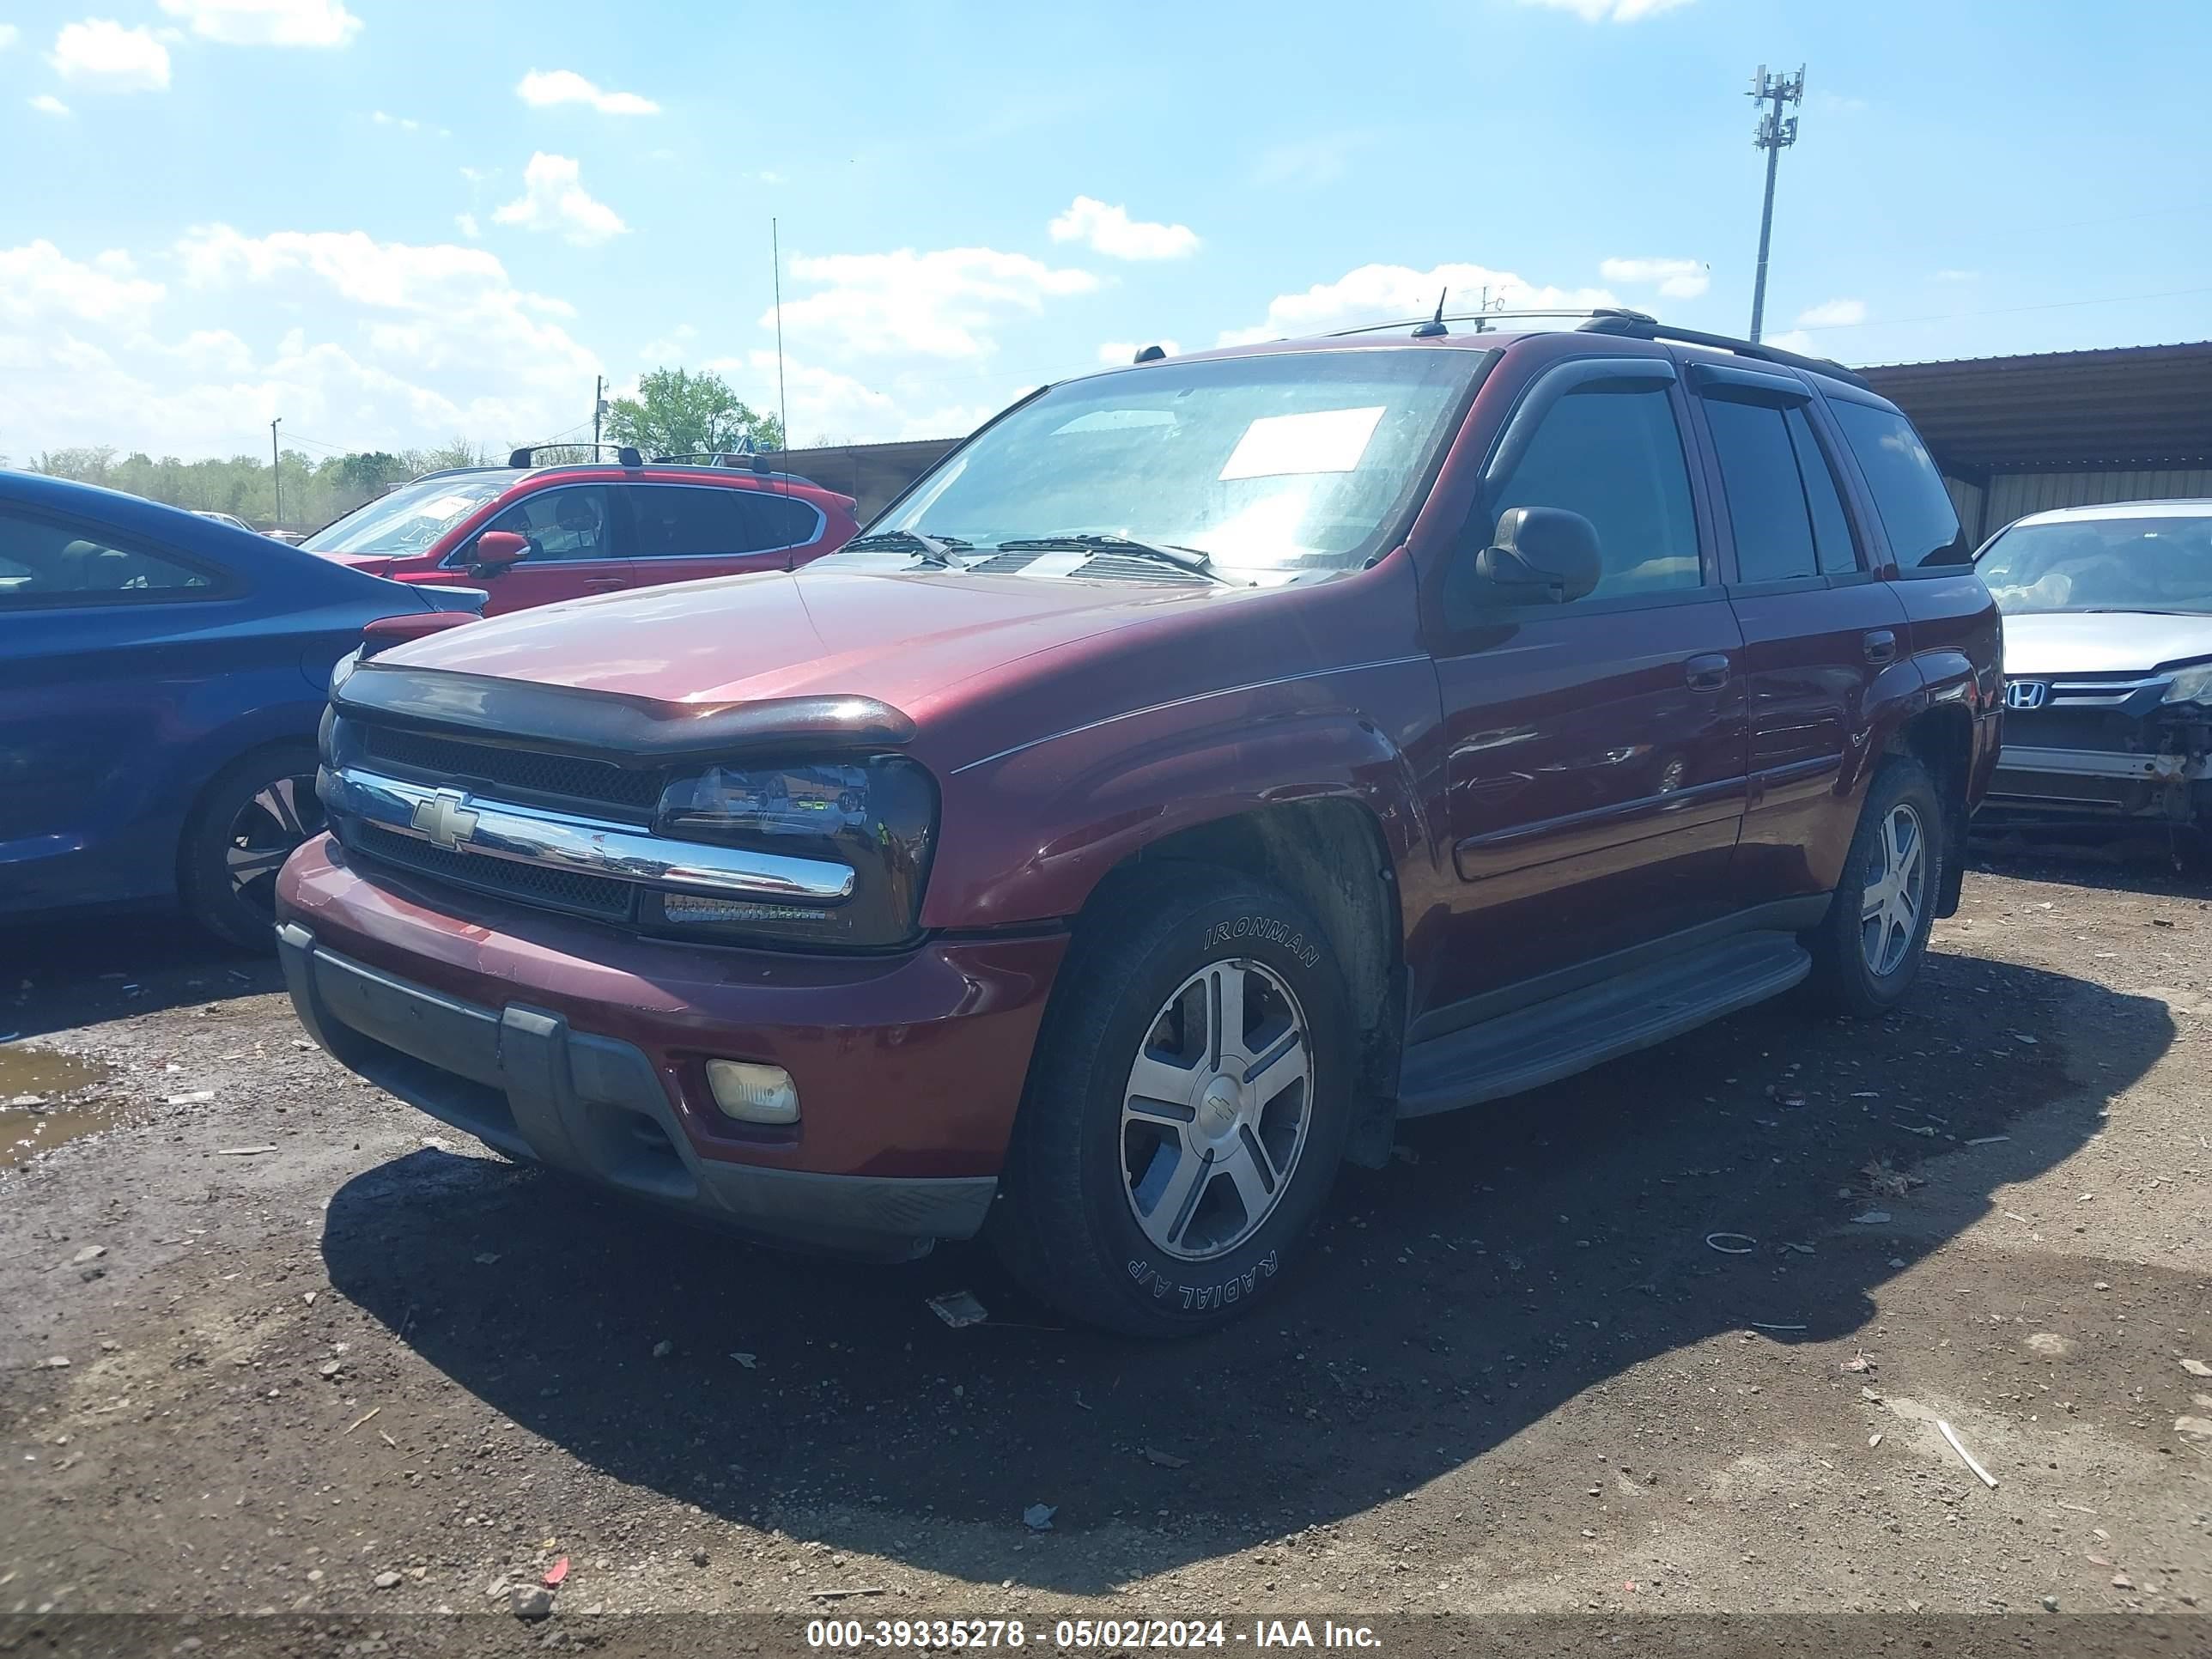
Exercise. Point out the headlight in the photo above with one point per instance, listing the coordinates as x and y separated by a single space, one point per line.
877 816
2191 685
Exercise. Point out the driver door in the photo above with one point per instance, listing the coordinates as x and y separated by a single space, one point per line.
577 547
1596 748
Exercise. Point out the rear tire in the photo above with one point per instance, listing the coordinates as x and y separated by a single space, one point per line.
1867 951
1168 1157
258 810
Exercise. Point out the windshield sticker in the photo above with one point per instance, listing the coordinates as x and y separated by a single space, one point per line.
1325 441
444 507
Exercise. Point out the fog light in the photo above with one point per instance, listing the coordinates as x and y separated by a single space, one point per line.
753 1094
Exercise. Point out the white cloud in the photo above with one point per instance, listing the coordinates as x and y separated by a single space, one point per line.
940 304
103 56
467 225
1677 279
1377 292
268 22
1112 231
554 199
406 123
8 35
1613 11
47 104
1796 339
543 87
1956 276
39 281
1113 352
1833 313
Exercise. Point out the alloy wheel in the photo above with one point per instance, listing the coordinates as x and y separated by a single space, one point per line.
283 815
1216 1111
1896 884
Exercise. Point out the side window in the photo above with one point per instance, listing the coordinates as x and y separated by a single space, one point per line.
43 564
1765 496
1832 527
680 521
562 524
1908 491
1614 455
782 521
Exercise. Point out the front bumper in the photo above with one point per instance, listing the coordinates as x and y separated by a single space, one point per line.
2069 784
583 1048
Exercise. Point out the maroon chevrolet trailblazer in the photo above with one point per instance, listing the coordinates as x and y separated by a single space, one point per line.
1209 763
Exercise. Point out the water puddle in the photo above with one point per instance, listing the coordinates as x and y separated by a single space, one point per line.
44 1102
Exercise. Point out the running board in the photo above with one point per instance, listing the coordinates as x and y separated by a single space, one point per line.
1540 1044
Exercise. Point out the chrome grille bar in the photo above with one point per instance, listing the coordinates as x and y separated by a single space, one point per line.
461 823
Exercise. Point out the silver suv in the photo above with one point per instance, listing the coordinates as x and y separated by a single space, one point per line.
2108 661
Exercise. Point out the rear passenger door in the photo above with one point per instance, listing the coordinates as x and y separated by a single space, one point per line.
1820 628
685 532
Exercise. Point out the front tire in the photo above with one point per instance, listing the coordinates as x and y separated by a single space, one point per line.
1188 1109
1867 953
258 810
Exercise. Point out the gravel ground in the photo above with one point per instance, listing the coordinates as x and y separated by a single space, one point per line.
276 1343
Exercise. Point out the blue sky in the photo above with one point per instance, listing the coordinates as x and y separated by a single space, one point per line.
394 223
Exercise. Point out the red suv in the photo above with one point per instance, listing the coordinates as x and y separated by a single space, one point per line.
530 535
1209 763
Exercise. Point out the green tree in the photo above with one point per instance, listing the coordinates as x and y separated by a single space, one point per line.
676 412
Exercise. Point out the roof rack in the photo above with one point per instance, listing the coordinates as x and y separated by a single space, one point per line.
527 455
1478 317
451 472
1637 326
752 461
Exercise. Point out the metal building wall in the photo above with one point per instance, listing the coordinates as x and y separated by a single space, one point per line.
2011 495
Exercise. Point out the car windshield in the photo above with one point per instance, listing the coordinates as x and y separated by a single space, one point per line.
2120 563
412 517
1284 464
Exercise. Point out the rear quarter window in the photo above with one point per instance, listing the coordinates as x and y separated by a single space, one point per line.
1908 489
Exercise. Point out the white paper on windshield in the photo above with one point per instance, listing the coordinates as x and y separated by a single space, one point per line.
444 507
1322 441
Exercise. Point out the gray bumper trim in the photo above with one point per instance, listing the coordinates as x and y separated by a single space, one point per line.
522 1080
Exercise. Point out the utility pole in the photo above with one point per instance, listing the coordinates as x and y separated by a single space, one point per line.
598 409
277 470
1777 132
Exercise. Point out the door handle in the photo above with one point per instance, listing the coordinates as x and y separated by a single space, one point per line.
1881 647
1707 673
603 584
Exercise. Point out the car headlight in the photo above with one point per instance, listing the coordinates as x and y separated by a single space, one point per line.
2191 685
877 816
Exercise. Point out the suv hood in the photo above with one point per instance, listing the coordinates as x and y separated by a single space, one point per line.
2057 643
905 639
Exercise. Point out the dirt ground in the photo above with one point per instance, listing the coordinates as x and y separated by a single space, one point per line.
1675 1336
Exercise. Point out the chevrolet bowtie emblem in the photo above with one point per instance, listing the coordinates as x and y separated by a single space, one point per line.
445 818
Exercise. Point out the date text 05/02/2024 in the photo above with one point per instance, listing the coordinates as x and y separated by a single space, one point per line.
1079 1635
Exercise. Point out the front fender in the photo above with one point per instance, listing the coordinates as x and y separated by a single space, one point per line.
1027 836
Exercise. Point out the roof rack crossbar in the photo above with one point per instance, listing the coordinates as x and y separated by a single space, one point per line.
1448 316
1636 325
526 454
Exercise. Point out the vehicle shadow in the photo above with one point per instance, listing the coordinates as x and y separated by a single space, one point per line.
81 972
1507 1261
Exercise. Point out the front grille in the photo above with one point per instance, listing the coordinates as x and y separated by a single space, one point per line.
2049 727
530 883
560 777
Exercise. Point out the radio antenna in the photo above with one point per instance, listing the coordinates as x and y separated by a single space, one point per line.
782 407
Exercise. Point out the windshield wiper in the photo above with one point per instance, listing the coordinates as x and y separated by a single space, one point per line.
1183 558
930 550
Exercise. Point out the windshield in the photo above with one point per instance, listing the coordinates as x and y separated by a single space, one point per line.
2102 564
1287 463
410 518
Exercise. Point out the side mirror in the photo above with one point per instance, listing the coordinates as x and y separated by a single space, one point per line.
496 549
1541 556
